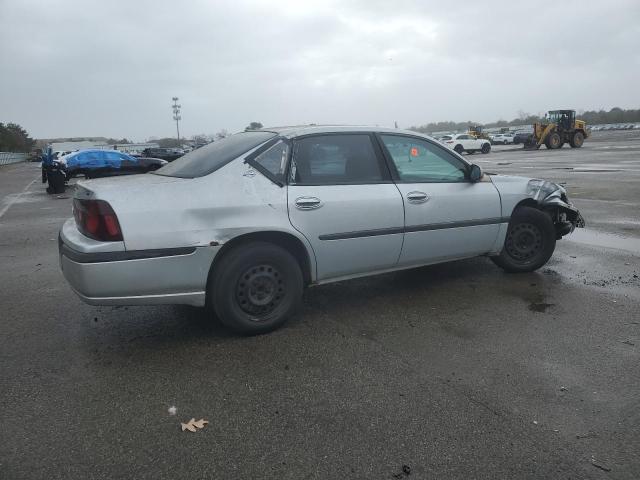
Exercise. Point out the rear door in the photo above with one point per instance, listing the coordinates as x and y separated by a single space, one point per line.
468 142
446 215
341 197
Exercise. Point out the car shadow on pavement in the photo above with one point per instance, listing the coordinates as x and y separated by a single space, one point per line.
446 287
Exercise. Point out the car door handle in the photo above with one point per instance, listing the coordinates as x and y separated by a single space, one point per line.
308 203
417 197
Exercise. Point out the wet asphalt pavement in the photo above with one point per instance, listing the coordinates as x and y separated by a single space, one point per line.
451 371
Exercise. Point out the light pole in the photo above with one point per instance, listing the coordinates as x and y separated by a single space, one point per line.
176 115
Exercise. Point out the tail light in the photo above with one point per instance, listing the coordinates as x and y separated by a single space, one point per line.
96 219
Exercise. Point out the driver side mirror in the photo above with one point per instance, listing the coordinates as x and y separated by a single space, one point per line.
475 173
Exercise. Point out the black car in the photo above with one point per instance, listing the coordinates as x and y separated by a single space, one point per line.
522 136
168 154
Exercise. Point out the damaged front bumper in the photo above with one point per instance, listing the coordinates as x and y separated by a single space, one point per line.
552 198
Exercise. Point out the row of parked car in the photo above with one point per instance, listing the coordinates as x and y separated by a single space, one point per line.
616 126
92 163
461 142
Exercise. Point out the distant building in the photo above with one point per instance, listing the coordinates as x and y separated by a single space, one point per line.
133 147
85 144
73 146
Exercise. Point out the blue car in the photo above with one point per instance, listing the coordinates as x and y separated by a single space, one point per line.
100 163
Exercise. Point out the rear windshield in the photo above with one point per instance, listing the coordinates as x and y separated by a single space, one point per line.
210 158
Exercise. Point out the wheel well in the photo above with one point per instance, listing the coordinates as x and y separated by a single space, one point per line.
284 240
527 202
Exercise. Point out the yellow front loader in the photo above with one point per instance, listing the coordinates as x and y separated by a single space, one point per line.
559 127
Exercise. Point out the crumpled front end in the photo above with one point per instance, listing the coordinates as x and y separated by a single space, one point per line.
552 198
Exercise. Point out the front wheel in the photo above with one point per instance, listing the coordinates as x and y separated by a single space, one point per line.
256 287
530 241
577 140
486 148
459 149
553 141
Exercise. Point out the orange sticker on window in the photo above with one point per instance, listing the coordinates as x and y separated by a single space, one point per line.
414 152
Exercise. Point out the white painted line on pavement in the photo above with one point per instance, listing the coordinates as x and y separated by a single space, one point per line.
15 198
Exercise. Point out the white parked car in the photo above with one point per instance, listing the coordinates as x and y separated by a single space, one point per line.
242 225
502 139
463 142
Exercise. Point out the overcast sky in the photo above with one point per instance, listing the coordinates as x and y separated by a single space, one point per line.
110 68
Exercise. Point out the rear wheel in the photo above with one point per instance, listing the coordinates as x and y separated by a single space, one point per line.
530 241
553 141
486 148
577 140
256 287
459 149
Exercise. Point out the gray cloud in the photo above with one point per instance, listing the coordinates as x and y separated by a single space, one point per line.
72 68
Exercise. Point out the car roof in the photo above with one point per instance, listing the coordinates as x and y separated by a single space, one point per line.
300 130
92 150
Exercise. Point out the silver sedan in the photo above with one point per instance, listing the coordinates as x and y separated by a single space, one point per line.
243 225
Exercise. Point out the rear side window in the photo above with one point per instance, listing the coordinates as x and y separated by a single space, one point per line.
271 160
335 159
211 157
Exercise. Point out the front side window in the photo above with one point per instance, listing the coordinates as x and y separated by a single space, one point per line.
335 159
419 161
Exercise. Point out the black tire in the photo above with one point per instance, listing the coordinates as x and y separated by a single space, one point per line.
577 140
504 143
553 141
459 149
256 287
530 241
486 148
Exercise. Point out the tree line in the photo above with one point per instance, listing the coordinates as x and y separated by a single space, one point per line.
14 138
592 117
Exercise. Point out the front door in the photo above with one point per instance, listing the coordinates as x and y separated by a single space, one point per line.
446 215
342 199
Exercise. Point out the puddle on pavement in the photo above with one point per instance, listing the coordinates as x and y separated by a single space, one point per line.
606 240
539 307
595 170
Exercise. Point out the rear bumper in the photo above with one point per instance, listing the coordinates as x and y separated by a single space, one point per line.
141 277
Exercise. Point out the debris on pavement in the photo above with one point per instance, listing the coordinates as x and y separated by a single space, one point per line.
599 465
192 425
589 434
563 389
406 471
172 410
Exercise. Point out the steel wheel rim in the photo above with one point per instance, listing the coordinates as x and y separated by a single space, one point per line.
260 290
524 242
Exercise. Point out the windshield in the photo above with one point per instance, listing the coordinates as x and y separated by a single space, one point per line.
211 157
